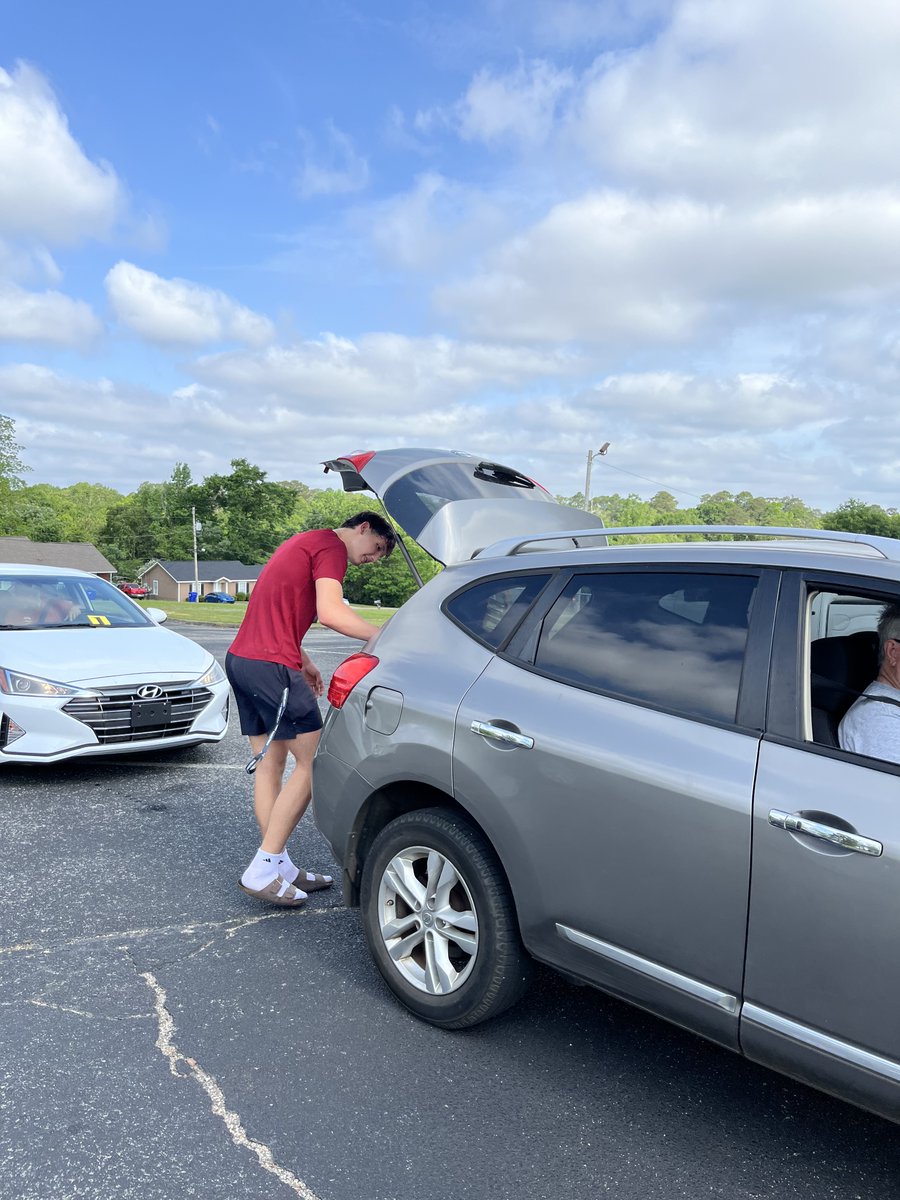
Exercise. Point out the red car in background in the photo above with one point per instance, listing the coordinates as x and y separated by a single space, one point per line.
137 590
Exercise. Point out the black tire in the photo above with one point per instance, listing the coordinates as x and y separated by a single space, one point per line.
453 975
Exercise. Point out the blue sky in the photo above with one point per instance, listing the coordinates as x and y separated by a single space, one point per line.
297 230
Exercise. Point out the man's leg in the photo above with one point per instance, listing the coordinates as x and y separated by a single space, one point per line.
292 800
268 877
268 778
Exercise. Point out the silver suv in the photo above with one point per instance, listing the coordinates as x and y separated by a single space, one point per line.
622 761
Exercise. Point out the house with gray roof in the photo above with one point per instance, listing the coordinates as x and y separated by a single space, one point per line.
80 555
171 580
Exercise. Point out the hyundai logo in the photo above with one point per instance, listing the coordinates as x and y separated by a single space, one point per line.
149 691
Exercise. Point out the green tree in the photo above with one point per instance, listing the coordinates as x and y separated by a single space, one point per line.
46 513
11 465
664 503
854 516
131 535
244 517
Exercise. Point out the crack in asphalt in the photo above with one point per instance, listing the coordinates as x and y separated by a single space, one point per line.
80 1012
181 1065
231 926
166 1045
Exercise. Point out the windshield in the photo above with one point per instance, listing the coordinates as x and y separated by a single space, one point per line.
414 499
64 602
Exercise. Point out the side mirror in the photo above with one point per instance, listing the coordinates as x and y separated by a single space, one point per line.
157 614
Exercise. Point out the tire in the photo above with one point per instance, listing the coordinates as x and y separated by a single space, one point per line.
440 921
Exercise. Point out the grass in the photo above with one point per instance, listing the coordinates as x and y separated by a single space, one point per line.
231 615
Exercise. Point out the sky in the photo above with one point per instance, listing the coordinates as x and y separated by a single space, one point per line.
297 229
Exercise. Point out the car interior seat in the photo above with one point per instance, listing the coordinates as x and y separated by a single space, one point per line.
840 669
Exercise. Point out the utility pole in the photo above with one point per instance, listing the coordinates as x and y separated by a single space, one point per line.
194 527
591 455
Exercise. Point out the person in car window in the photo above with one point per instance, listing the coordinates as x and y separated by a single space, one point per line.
872 724
301 580
20 605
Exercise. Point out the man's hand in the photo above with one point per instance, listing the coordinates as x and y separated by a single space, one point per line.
312 675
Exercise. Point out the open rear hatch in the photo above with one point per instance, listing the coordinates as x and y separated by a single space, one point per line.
455 505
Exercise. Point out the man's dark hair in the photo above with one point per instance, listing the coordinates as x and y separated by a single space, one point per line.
377 524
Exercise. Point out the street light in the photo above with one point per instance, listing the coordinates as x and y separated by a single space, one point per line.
592 454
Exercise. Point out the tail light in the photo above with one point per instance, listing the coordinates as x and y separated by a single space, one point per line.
348 675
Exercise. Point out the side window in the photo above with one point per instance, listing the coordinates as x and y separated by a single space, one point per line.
491 610
674 639
843 652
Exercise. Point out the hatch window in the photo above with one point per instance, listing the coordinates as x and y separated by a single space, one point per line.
414 499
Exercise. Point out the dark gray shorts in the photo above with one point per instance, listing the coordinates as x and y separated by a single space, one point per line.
258 687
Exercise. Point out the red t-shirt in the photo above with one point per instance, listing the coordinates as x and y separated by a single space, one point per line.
282 605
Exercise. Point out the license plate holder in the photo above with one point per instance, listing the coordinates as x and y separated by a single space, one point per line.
145 714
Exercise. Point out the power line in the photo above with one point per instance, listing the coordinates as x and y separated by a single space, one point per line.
656 483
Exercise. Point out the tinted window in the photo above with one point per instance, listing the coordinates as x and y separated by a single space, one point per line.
416 497
674 639
491 610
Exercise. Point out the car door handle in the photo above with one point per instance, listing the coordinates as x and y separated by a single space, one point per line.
828 833
498 734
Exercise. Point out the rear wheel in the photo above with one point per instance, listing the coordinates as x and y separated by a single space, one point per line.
440 921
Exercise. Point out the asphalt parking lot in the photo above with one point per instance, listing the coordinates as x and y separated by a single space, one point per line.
163 1035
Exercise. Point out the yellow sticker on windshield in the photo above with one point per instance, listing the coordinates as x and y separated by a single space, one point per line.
95 620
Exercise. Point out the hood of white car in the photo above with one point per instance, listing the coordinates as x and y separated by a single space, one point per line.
100 654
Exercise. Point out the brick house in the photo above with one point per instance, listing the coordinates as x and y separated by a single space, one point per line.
169 580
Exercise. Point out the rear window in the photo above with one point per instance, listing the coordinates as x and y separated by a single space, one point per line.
673 640
491 610
415 498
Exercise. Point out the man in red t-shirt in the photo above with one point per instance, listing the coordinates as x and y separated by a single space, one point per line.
301 581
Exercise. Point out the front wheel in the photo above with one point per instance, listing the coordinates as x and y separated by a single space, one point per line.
440 921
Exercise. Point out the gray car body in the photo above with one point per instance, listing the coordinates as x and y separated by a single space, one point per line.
638 843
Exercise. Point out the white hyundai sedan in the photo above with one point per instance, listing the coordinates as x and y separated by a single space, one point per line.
85 670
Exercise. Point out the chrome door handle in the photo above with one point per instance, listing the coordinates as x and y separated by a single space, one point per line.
498 734
828 833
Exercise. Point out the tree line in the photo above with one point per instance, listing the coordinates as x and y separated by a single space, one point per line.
244 516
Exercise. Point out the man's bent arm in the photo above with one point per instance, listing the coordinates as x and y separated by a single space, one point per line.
336 615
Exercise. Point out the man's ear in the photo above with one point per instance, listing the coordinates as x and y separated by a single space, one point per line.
363 527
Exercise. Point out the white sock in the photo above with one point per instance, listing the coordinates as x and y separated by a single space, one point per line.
262 870
286 868
308 877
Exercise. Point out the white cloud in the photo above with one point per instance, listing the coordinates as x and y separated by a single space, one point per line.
609 266
521 105
176 311
733 100
400 374
48 317
49 188
26 262
572 24
335 170
437 223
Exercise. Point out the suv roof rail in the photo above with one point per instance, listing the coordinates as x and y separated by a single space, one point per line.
887 547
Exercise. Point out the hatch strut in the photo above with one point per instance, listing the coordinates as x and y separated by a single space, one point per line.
400 542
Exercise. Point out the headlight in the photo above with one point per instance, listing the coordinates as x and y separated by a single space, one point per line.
215 674
15 684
